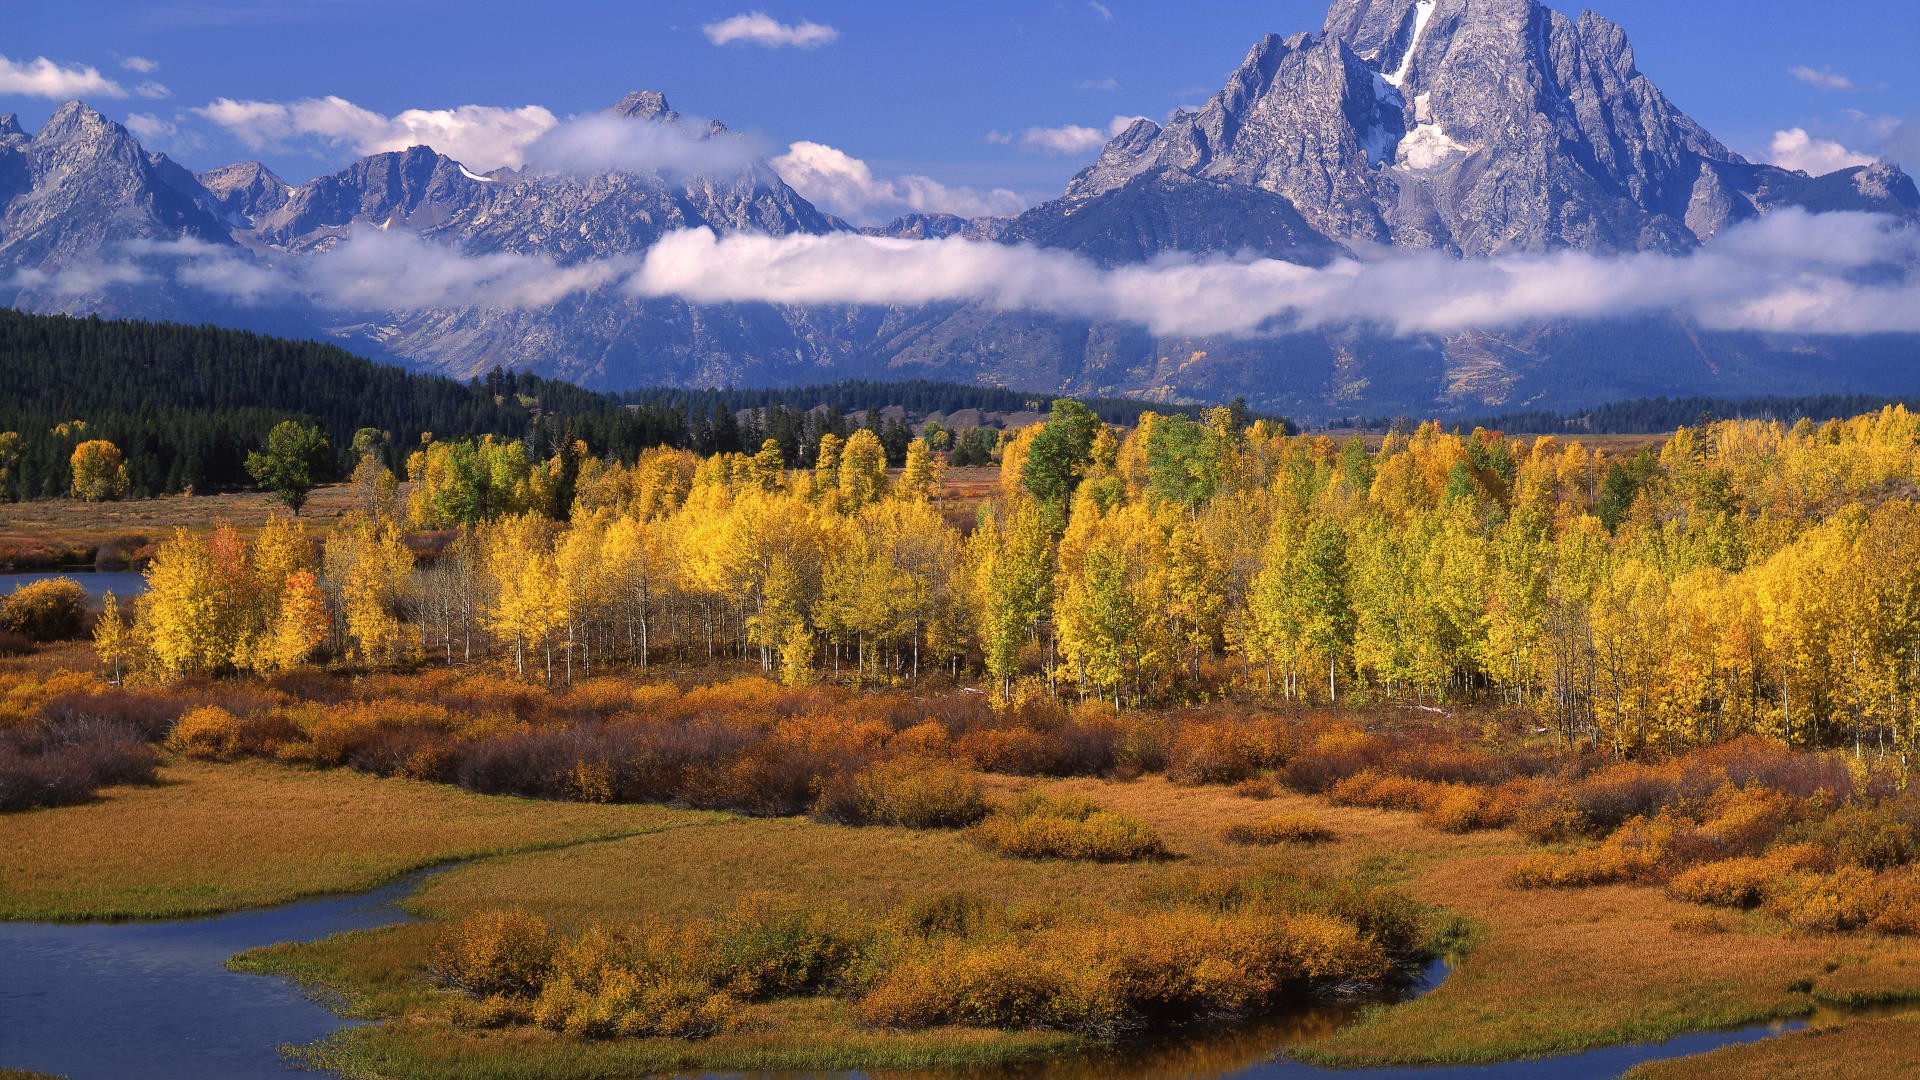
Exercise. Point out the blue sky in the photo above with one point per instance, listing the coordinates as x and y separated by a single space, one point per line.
976 99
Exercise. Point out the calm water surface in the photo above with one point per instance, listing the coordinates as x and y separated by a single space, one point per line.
155 1000
122 583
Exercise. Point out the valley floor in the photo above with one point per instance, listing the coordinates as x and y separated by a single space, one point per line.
1546 972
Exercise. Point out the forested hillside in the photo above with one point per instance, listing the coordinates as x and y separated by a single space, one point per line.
185 404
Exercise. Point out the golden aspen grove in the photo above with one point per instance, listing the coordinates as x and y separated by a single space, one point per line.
1745 578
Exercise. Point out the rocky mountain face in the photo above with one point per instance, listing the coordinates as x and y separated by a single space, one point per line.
1471 127
244 193
89 185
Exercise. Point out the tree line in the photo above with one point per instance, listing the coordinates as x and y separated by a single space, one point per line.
185 406
1654 415
1748 577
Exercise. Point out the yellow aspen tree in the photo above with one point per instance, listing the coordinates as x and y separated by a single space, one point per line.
528 606
826 463
99 473
581 577
920 479
185 616
638 575
112 639
367 573
769 466
298 627
863 471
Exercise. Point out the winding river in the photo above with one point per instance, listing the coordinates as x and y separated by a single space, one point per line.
155 1000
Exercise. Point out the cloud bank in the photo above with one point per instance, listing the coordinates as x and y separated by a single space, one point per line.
601 143
1790 272
759 28
843 184
481 136
41 77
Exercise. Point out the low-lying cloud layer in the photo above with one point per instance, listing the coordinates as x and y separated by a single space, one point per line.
1794 272
842 184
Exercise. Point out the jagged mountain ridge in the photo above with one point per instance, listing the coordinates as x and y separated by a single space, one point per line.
1469 126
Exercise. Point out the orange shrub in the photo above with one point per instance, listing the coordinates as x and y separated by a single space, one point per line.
1636 851
1899 902
928 738
915 792
1068 827
52 609
508 953
1110 978
206 732
1744 881
1846 899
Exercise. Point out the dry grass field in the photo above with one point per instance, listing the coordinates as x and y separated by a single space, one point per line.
59 533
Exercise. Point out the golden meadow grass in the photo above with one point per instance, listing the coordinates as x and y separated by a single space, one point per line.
1547 972
214 838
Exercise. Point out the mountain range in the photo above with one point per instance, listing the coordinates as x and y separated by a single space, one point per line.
1473 129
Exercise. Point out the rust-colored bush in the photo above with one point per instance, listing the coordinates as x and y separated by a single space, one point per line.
1335 753
1223 751
1638 851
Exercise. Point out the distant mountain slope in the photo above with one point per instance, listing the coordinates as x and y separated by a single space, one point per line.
1473 128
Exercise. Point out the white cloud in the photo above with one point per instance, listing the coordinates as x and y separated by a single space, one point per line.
1101 9
372 270
600 143
759 28
483 137
41 77
147 127
1000 138
1108 83
1070 139
1821 78
845 185
1790 272
139 64
1073 139
152 90
1795 149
